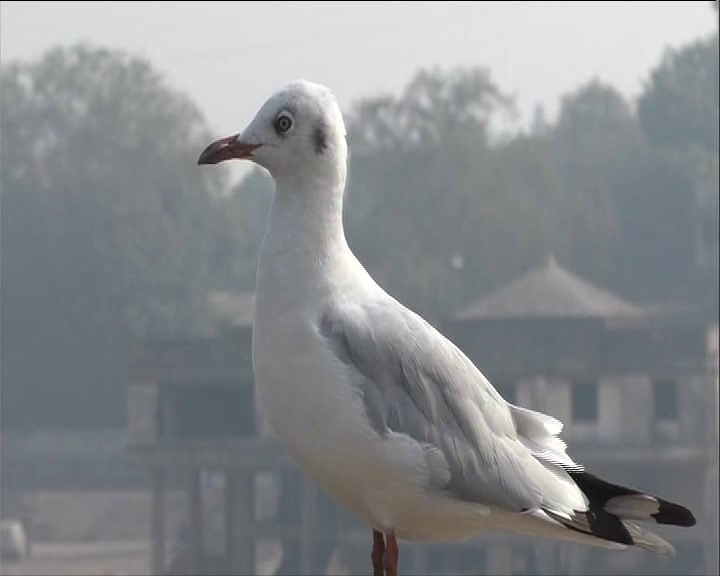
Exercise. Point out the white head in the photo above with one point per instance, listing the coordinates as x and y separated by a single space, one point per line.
297 134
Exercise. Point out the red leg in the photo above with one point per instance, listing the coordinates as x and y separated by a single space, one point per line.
378 553
391 554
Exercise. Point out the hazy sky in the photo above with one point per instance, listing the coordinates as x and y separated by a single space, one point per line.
229 56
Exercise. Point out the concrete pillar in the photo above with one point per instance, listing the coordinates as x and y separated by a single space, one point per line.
712 521
712 397
196 522
545 558
241 520
638 425
308 526
158 537
499 558
420 559
230 520
538 393
572 558
692 398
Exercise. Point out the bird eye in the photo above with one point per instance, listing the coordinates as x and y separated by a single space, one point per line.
283 123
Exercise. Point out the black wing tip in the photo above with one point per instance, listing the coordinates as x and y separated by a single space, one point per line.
598 523
674 515
609 527
599 491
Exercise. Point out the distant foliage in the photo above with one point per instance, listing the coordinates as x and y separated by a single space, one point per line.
110 232
679 107
679 114
434 106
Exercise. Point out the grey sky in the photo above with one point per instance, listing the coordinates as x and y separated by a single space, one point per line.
229 56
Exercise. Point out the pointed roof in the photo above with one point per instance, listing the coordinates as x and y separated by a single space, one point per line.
549 291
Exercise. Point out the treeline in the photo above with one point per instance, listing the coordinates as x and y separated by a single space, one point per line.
111 233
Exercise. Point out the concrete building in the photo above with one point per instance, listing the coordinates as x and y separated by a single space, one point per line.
633 385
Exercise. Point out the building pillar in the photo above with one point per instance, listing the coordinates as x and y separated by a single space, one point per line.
713 396
157 536
229 519
538 387
545 558
241 520
196 522
420 559
572 558
499 558
710 501
309 537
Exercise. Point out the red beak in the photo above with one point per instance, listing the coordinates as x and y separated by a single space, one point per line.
226 149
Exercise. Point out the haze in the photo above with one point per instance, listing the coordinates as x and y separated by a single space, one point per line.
574 260
230 55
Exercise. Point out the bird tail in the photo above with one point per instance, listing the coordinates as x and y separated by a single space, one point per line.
613 510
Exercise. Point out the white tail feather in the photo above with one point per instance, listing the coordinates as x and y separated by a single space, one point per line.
539 433
634 506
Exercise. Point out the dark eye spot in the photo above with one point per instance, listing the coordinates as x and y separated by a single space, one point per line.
282 123
319 139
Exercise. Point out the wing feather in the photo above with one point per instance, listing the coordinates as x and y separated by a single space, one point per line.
414 381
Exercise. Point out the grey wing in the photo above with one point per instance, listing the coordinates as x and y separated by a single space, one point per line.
416 382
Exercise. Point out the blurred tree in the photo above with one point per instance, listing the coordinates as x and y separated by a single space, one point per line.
595 136
109 230
679 111
653 252
246 209
434 106
628 204
679 106
423 194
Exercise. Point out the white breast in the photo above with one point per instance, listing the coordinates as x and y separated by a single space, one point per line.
319 416
316 415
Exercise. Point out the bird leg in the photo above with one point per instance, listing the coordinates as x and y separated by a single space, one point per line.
391 554
378 553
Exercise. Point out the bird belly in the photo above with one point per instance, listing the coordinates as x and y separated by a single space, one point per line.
320 419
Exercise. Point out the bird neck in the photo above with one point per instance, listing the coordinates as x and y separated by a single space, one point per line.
306 219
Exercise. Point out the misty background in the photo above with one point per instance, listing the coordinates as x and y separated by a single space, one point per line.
110 231
482 137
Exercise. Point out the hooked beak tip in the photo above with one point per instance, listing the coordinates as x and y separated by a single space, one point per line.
226 149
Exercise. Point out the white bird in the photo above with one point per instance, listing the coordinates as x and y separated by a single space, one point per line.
386 414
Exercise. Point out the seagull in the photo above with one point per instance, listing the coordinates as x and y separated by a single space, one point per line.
390 417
